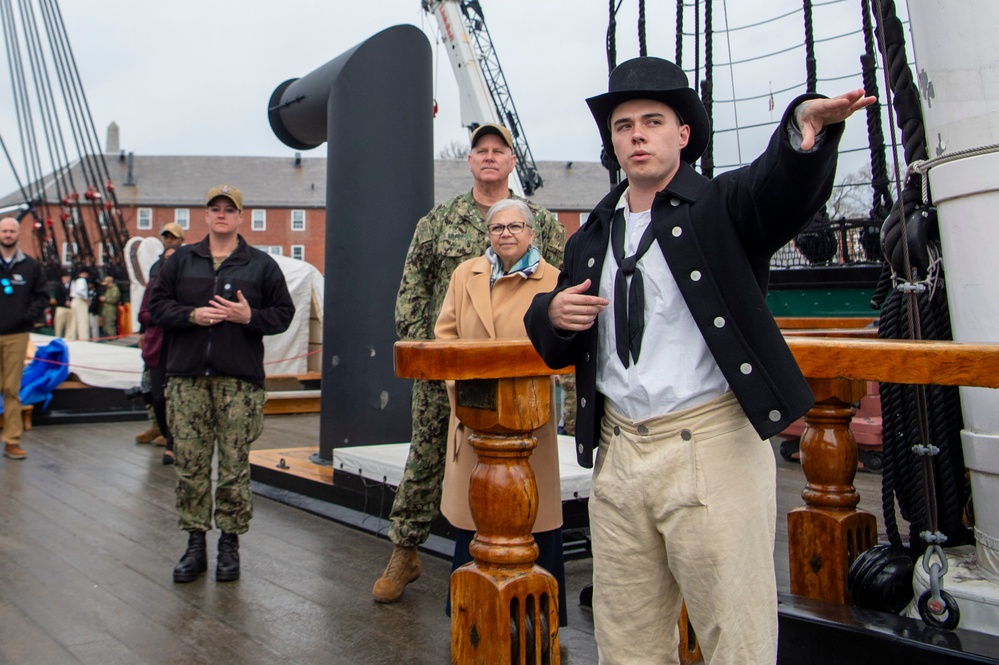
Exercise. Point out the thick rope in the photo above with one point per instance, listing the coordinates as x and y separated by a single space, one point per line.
920 316
811 77
612 37
707 90
642 47
679 34
880 183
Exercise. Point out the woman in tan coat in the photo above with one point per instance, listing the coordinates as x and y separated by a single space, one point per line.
487 299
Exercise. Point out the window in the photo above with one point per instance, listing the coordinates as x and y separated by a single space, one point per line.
183 217
297 220
144 221
273 250
68 251
259 220
583 216
298 252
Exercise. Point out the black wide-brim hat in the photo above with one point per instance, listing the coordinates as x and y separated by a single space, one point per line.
663 81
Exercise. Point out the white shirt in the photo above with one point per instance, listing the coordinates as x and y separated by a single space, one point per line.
675 370
79 289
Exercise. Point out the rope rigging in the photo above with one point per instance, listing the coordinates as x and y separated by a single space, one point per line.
707 89
927 479
50 104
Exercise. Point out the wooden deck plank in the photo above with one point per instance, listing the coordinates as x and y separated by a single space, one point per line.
89 537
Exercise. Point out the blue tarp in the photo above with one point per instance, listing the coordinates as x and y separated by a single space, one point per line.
42 376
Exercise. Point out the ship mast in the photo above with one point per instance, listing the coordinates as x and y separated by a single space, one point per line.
958 78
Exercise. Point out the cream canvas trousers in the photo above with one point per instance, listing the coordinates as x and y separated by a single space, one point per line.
683 507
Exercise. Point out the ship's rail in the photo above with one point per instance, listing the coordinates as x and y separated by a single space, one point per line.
832 242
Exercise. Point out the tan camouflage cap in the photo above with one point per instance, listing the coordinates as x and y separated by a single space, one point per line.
227 191
497 130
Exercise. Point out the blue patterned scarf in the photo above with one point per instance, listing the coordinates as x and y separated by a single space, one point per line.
525 267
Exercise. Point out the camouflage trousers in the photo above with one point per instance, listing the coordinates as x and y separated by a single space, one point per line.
205 413
418 497
568 383
146 386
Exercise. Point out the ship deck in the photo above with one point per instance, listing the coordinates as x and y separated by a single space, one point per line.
89 538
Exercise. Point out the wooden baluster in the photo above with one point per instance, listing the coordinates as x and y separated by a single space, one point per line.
504 608
827 534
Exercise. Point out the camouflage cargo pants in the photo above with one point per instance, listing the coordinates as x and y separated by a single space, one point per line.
204 412
418 497
568 382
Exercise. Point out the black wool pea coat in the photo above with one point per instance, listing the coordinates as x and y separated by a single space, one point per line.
718 237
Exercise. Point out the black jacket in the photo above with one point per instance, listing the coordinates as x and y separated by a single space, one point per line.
187 280
718 237
24 306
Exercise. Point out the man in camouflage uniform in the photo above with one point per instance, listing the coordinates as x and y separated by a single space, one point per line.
109 307
217 299
449 234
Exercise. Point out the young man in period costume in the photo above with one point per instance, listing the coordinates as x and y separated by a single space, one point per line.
682 373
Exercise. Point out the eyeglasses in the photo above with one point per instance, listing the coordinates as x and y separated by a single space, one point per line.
7 288
516 228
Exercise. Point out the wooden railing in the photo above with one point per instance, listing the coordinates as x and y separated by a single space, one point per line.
504 608
828 532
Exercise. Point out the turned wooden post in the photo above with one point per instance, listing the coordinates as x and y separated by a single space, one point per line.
504 608
827 534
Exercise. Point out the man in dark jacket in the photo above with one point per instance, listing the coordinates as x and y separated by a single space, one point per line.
23 298
681 370
217 299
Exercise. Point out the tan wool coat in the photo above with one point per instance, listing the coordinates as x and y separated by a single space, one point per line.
472 311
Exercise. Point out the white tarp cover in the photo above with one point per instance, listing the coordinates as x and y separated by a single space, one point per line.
101 365
384 463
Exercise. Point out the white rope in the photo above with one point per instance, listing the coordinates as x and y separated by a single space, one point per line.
923 166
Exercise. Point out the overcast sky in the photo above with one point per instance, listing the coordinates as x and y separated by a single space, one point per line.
194 77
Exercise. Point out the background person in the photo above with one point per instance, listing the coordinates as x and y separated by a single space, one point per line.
109 307
487 299
449 234
216 299
93 308
62 316
155 347
682 373
22 303
172 237
79 298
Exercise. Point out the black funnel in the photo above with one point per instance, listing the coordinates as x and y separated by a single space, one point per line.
373 107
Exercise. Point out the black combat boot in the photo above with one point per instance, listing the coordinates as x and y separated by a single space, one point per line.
195 559
227 569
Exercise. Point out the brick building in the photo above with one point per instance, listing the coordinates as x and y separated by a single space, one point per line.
284 199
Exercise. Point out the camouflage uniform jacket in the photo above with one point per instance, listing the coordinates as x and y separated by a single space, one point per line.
449 234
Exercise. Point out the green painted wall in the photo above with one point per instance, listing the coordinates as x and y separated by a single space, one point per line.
821 302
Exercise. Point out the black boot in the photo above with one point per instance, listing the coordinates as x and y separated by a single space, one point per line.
227 569
195 559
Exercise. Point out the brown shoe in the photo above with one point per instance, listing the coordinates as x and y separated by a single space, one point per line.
403 568
14 451
149 435
160 440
